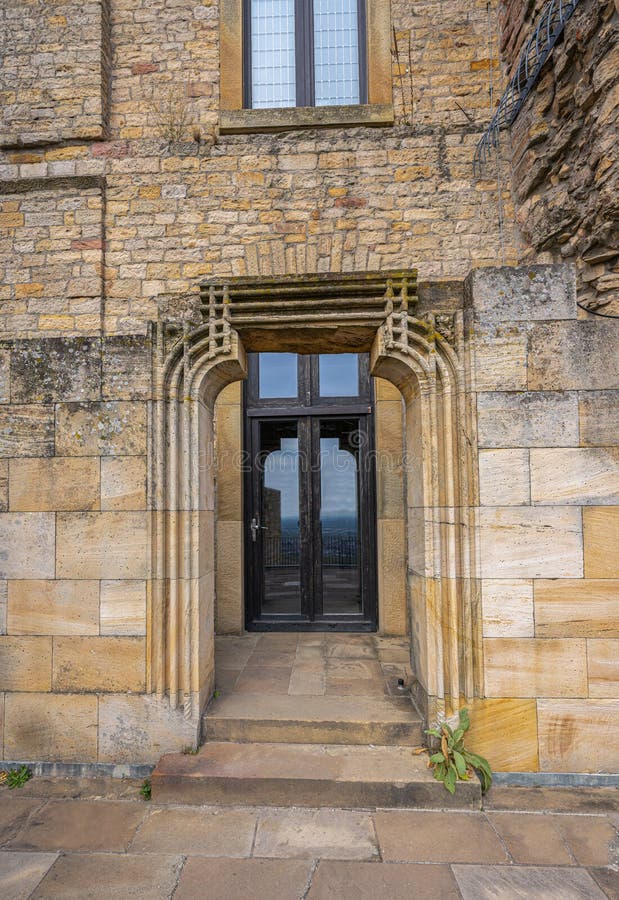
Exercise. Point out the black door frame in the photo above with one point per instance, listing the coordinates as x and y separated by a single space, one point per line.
308 410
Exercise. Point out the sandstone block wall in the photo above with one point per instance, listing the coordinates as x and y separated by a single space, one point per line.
547 395
564 145
74 531
103 217
54 71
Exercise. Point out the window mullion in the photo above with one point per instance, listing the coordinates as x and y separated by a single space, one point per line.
304 40
363 50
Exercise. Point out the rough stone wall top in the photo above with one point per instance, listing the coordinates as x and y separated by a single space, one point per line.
564 141
54 65
515 18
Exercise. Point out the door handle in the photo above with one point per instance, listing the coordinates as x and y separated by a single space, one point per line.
256 527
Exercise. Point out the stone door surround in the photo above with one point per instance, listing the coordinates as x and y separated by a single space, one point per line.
201 346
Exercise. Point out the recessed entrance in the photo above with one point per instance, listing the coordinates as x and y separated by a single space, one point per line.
310 515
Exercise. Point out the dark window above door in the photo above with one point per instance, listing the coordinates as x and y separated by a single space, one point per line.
278 380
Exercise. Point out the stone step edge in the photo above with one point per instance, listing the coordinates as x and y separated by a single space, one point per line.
177 779
246 730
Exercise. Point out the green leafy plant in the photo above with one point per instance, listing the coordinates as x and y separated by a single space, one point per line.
15 778
190 751
453 762
146 789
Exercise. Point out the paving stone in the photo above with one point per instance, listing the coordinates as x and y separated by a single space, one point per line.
592 839
21 872
197 832
263 680
405 836
105 876
271 659
531 838
309 833
373 881
81 825
608 880
244 879
516 883
14 812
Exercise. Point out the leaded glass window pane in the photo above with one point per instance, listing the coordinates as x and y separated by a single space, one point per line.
336 52
273 53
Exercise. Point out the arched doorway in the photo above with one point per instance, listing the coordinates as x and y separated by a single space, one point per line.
203 348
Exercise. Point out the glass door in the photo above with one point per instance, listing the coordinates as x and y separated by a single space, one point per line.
310 535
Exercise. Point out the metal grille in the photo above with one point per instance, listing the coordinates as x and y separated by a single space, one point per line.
338 551
273 53
538 48
336 52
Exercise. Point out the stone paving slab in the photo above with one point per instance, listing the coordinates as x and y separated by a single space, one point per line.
110 876
197 831
532 839
316 833
382 881
592 839
80 825
21 872
608 880
516 883
113 849
412 836
244 879
14 813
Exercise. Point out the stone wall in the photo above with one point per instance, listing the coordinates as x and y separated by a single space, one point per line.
547 397
74 535
51 246
54 71
564 142
104 217
313 200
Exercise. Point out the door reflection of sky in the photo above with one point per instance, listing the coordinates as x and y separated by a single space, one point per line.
338 471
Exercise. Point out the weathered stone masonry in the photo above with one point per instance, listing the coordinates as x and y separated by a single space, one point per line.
564 148
105 225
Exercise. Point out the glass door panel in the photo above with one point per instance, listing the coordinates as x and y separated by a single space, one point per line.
340 440
278 532
310 506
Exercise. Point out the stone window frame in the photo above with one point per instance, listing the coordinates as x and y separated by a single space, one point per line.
235 119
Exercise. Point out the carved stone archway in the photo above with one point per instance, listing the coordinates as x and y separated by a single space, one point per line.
201 348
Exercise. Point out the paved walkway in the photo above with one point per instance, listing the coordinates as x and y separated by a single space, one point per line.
97 839
311 664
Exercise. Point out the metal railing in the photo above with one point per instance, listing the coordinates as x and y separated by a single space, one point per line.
538 48
338 550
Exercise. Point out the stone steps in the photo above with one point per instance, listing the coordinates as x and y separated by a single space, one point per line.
257 718
309 775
